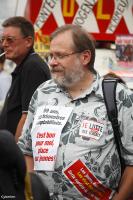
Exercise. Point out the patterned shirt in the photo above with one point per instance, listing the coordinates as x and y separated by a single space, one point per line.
100 155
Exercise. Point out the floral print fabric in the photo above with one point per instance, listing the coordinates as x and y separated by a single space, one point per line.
101 155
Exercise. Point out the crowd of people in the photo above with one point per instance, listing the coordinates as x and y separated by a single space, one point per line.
57 115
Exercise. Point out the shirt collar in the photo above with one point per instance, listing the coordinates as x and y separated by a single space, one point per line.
18 69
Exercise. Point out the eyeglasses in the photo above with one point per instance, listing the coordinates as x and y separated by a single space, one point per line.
59 57
9 39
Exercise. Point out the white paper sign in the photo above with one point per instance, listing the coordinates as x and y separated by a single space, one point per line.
47 127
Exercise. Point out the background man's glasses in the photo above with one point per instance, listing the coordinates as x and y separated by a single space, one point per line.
9 39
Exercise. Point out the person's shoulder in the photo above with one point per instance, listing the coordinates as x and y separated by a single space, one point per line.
5 75
34 63
48 85
124 96
34 59
121 86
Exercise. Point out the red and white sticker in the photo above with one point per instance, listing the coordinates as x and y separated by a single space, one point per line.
86 183
91 129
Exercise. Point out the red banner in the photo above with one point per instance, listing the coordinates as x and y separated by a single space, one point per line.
104 19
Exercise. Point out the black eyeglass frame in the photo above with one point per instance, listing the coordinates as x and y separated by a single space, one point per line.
60 57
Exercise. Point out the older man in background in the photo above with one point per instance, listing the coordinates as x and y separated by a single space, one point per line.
17 41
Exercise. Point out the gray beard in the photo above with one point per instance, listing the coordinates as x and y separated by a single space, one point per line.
71 79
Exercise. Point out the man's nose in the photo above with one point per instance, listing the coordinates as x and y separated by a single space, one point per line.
53 61
4 43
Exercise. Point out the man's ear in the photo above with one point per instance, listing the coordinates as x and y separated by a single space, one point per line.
86 57
29 41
